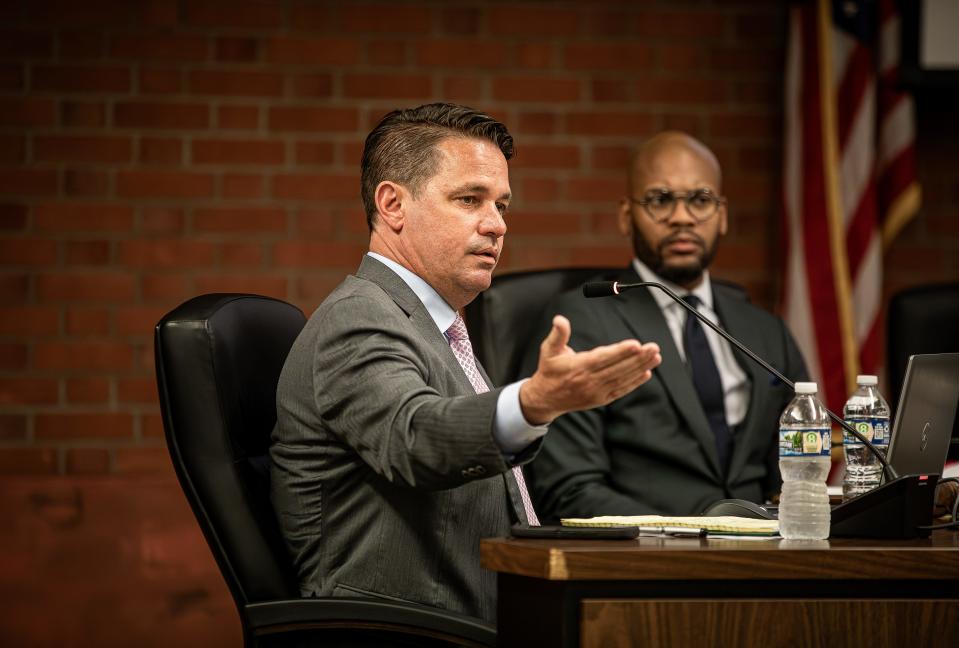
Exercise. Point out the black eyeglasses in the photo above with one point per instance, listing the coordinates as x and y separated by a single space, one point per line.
702 204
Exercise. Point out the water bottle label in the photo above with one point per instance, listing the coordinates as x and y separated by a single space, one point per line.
806 442
874 429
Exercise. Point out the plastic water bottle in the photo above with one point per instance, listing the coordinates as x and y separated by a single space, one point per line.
868 412
804 445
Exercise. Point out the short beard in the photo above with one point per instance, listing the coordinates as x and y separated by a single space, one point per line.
680 275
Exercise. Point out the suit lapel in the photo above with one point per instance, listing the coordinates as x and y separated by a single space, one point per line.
642 316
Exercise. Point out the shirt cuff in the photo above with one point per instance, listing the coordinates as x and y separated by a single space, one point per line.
511 431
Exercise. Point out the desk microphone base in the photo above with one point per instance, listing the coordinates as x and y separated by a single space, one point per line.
895 509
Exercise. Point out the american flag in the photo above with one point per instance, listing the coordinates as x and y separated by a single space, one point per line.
849 183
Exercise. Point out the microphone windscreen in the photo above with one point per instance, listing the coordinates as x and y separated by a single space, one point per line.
599 289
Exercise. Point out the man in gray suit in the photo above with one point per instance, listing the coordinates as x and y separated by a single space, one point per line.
392 456
705 427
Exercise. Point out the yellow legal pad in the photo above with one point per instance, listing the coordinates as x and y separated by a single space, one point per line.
720 525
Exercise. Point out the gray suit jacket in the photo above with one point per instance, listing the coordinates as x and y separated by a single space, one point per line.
385 473
652 451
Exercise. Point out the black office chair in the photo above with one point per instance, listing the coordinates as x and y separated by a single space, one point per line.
502 320
923 319
218 359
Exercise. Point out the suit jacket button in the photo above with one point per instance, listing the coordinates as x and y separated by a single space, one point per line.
466 472
480 470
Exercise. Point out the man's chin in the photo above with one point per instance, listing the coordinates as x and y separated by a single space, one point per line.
681 273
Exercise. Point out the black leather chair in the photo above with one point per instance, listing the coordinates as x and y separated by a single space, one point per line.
503 320
218 359
924 319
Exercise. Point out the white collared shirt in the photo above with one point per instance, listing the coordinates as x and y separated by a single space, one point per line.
734 380
511 431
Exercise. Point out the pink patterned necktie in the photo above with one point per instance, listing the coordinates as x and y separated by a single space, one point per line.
460 344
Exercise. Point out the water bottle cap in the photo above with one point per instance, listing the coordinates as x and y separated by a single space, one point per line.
867 380
806 388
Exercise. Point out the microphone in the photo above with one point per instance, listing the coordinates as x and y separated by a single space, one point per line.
899 508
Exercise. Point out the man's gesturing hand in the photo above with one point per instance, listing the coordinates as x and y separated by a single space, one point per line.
566 381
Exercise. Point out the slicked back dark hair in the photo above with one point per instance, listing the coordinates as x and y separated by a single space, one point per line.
402 147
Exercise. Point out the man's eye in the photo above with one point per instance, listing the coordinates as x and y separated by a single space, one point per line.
659 199
701 199
469 200
502 207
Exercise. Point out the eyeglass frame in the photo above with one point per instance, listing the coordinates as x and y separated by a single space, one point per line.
685 196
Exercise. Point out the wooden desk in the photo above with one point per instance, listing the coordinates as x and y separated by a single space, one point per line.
710 592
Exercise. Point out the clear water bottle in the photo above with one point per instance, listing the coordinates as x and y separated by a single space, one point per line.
868 412
804 445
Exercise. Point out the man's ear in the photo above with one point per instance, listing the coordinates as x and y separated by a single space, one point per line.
389 198
624 217
723 222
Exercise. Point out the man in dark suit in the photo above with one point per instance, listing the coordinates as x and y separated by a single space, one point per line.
705 427
392 455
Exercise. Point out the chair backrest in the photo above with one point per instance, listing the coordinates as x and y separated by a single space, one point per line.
218 359
502 320
923 319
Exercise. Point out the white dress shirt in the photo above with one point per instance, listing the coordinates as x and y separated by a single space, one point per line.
735 381
511 431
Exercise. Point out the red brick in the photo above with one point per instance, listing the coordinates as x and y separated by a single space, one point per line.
247 255
604 188
163 220
351 153
298 50
764 93
84 182
611 157
76 286
83 217
161 115
143 461
224 13
673 90
82 149
461 20
535 55
683 25
750 125
79 45
35 252
175 287
312 289
155 47
677 56
546 156
83 425
386 18
13 149
248 219
83 114
22 44
314 254
259 284
63 78
387 52
156 150
160 81
238 117
542 224
82 356
28 461
237 50
299 118
611 90
539 189
14 287
539 123
27 112
177 253
13 427
312 85
463 88
11 78
13 217
460 52
316 187
610 123
536 88
164 184
320 153
138 320
392 86
28 391
353 221
601 256
83 322
85 253
151 426
315 222
691 123
13 357
241 185
87 390
607 56
259 152
527 21
137 390
29 321
88 461
246 84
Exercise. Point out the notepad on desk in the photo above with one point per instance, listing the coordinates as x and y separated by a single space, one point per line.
725 525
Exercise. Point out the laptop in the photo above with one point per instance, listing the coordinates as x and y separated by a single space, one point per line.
922 428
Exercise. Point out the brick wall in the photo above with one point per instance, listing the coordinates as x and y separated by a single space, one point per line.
154 150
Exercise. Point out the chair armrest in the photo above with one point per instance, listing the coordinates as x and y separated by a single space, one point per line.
387 616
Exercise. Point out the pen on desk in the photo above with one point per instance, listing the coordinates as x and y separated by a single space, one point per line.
679 532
